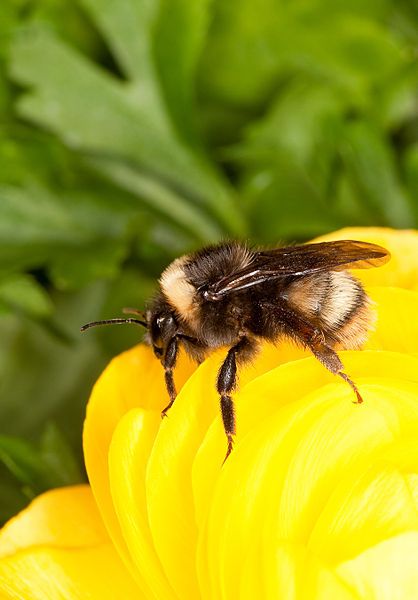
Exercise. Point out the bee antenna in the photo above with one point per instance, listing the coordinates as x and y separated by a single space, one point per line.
113 322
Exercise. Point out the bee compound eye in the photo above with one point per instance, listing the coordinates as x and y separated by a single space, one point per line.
165 324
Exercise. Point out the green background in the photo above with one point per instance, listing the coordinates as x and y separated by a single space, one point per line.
132 131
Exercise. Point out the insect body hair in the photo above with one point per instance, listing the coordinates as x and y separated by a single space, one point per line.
337 304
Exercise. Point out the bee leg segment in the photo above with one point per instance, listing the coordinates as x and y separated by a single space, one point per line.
353 386
226 383
228 418
330 359
169 363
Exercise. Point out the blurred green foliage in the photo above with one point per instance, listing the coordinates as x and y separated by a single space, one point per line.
134 131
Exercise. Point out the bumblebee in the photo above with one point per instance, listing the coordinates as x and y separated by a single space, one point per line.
230 295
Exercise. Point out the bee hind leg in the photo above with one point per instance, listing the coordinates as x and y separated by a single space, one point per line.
304 332
331 361
353 387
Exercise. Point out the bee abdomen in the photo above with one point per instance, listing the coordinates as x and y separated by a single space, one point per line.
346 310
342 298
335 302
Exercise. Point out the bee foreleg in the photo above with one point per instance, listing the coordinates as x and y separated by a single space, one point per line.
169 362
227 383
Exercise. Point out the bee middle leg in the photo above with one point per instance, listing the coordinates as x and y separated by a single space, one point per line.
227 383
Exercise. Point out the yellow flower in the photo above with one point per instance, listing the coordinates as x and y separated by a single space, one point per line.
318 500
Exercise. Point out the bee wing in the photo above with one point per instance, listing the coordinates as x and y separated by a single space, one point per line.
300 260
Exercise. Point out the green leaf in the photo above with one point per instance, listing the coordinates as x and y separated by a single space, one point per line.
45 376
405 21
40 467
58 458
303 125
397 99
23 293
179 34
119 124
287 162
245 52
410 164
159 198
68 20
349 204
283 203
122 125
31 157
127 27
32 221
14 497
19 457
354 53
77 267
70 232
157 45
370 162
254 47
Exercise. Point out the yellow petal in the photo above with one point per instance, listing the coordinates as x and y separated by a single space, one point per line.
169 469
296 379
300 575
134 378
396 327
129 452
58 548
65 517
168 482
373 501
401 270
56 573
387 571
297 439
